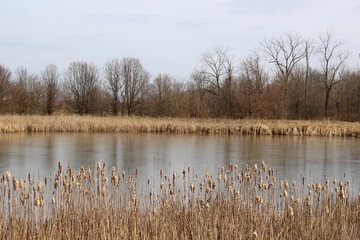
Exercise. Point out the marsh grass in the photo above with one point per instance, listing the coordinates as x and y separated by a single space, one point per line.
62 123
249 203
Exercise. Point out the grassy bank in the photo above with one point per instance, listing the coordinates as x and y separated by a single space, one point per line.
9 124
249 203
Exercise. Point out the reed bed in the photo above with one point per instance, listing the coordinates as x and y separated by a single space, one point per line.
248 203
61 123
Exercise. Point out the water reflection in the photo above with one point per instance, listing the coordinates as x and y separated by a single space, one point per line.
291 157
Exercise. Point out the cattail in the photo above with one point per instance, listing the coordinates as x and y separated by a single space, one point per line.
98 166
16 184
201 185
59 168
22 184
8 176
259 199
41 202
291 212
308 200
113 172
342 193
68 170
40 186
263 166
192 187
225 178
230 167
255 168
284 184
37 202
327 183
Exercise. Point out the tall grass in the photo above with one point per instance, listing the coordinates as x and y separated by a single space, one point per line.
248 203
10 123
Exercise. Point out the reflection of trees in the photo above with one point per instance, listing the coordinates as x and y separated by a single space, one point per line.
49 158
5 151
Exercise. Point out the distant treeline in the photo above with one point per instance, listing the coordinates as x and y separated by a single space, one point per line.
307 79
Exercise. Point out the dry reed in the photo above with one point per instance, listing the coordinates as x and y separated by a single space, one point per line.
11 123
248 203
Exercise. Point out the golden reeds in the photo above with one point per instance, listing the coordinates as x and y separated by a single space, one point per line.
248 203
11 123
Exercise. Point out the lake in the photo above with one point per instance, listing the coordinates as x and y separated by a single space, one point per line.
291 157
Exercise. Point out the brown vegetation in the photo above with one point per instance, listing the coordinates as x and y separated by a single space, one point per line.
249 203
62 123
287 77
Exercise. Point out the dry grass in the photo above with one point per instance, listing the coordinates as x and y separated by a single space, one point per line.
247 203
9 124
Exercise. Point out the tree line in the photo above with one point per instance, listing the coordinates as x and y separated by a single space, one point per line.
288 77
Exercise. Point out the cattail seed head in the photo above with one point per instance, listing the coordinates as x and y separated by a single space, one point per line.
192 188
263 166
16 184
8 176
259 199
285 194
230 167
291 212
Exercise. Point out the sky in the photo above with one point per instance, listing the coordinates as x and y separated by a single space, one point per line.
167 36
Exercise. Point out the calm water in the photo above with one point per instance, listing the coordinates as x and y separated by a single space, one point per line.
289 156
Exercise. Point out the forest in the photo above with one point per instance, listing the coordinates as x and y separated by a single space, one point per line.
286 77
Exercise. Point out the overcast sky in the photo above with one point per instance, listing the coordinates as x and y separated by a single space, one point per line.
167 36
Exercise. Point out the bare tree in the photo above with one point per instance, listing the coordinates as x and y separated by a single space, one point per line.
309 47
5 84
285 54
50 87
162 91
136 83
27 92
217 71
196 87
115 83
331 63
252 83
352 96
82 87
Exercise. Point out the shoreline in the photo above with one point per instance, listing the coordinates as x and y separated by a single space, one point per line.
73 123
